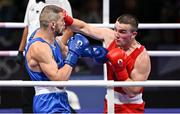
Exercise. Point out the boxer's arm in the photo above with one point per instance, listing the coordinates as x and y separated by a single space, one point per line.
87 29
90 30
42 53
68 33
23 39
103 34
20 57
139 73
63 48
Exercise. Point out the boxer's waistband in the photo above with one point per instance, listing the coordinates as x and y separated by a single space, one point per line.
120 98
44 90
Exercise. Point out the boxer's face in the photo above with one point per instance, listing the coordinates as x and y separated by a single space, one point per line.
60 25
123 34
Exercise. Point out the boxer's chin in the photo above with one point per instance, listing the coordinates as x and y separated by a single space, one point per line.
58 33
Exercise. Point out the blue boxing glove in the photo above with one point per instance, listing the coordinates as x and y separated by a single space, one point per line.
101 60
76 45
98 53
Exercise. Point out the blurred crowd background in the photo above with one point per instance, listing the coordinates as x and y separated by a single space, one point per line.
147 11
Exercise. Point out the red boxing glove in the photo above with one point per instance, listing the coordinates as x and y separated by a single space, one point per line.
67 19
117 58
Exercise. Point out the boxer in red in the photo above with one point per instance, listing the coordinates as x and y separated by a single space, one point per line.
125 57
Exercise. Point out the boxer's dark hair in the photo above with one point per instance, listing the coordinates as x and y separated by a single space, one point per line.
129 19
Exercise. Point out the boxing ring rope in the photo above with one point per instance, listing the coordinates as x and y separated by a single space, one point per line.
141 25
151 53
91 83
146 25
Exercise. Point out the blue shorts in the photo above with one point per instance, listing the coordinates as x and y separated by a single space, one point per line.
51 103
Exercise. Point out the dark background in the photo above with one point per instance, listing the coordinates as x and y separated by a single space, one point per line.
147 11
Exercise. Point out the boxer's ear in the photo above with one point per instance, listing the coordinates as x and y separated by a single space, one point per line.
134 33
53 25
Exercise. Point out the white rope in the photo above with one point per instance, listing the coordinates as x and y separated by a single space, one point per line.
11 25
146 25
141 25
164 53
151 53
159 26
91 83
8 53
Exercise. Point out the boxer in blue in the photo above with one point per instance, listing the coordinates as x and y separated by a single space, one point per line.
44 60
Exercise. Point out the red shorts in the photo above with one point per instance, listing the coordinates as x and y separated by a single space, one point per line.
126 108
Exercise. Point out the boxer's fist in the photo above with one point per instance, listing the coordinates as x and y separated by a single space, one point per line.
67 19
76 46
98 53
117 57
20 58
